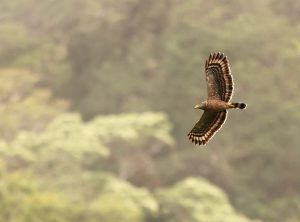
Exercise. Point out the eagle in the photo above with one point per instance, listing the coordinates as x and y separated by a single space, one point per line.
219 89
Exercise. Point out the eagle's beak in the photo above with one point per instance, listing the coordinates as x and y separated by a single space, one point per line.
197 106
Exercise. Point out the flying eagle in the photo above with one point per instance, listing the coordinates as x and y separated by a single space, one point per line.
219 89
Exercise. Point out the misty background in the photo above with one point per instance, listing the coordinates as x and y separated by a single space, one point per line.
97 97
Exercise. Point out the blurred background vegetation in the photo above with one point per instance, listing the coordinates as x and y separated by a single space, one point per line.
96 100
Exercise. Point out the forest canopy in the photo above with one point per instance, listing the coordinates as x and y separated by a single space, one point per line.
97 97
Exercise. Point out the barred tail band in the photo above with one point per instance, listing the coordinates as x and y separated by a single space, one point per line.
239 105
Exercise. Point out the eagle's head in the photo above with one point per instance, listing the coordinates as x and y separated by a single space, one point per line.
202 106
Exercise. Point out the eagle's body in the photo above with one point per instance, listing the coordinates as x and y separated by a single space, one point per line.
217 105
219 89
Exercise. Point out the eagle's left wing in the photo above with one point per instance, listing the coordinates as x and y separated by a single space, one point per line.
218 77
209 123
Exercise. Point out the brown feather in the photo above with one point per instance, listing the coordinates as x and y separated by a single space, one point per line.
209 123
219 79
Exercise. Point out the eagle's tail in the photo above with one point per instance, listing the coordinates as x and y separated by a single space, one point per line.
239 105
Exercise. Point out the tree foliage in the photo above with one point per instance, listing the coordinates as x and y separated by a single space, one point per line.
48 176
24 105
199 201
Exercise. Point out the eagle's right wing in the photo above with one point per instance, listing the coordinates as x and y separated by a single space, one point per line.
209 123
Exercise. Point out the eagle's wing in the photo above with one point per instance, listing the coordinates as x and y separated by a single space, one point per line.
218 77
209 123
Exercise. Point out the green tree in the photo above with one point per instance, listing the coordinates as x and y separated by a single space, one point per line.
196 200
24 105
24 198
118 200
67 141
